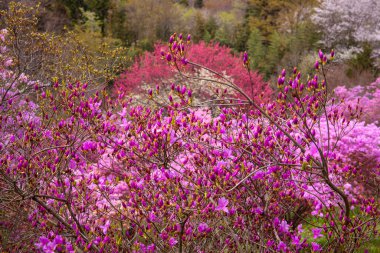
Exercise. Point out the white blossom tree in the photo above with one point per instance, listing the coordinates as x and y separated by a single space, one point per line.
348 23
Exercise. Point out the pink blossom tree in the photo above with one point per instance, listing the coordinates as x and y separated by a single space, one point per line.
149 70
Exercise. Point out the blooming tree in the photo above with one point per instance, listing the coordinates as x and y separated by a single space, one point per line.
346 22
274 177
150 70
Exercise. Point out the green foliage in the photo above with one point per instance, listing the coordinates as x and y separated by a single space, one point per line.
100 8
200 27
241 37
116 24
80 54
276 51
362 61
222 37
198 4
256 50
74 8
207 37
302 41
228 22
303 38
211 26
263 15
184 2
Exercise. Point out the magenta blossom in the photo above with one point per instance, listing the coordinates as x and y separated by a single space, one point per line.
203 227
284 226
316 247
317 233
222 205
172 241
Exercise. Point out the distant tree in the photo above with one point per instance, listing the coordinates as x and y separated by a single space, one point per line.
269 15
229 23
241 37
184 2
263 15
362 61
67 57
100 7
200 27
278 44
211 26
117 25
151 20
257 50
198 4
348 22
150 70
73 7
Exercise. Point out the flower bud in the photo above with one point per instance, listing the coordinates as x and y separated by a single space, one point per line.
188 38
320 54
245 58
184 61
280 80
316 65
332 54
183 90
295 84
168 57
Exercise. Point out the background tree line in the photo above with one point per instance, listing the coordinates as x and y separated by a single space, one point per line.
291 31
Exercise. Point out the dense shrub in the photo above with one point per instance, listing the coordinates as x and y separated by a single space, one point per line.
78 175
150 70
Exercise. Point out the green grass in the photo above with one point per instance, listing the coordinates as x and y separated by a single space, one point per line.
372 246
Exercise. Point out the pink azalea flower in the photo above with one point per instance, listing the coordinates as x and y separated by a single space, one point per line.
282 247
172 241
8 62
284 226
222 205
317 233
105 227
316 247
203 227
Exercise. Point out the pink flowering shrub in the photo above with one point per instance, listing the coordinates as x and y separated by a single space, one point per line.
78 175
367 97
150 70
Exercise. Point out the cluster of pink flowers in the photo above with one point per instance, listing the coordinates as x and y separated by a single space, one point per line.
366 97
96 174
150 70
